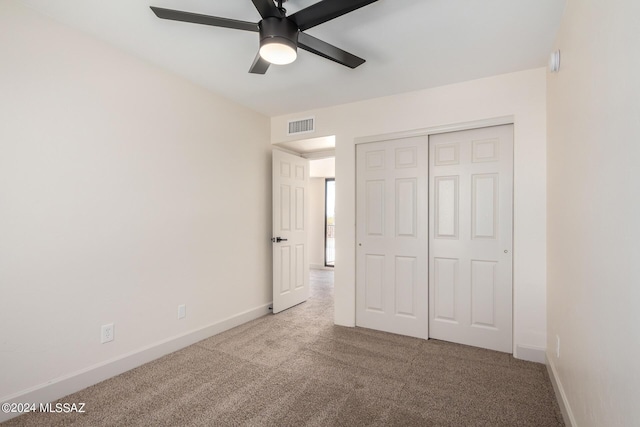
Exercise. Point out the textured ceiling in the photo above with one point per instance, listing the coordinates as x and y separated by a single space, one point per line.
408 44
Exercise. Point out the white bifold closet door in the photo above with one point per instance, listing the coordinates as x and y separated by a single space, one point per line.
391 259
470 236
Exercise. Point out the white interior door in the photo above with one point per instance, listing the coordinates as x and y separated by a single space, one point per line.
470 228
290 216
391 261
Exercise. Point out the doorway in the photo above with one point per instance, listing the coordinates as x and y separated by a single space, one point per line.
319 155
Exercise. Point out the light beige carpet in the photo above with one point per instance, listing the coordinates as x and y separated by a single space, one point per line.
296 368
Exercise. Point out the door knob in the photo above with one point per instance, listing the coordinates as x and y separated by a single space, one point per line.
278 239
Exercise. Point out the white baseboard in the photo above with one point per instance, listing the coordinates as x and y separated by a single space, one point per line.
530 353
76 381
561 397
319 267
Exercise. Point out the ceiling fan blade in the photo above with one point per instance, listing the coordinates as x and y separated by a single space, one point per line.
324 11
267 8
324 49
259 66
196 18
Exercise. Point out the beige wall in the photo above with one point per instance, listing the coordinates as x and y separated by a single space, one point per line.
316 225
519 95
325 168
594 213
124 191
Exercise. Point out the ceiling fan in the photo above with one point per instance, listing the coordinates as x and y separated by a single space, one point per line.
281 35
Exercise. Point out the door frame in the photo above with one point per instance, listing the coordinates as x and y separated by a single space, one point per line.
495 121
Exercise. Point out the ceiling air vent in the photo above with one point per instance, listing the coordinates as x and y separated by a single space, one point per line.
297 127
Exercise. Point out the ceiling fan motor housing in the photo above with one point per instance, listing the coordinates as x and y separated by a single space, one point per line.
279 30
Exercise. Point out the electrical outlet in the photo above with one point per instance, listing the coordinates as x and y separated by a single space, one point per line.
106 334
558 346
182 311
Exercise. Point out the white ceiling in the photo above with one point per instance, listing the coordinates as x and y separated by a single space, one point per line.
408 44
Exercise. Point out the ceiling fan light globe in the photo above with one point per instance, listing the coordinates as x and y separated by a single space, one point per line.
277 52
